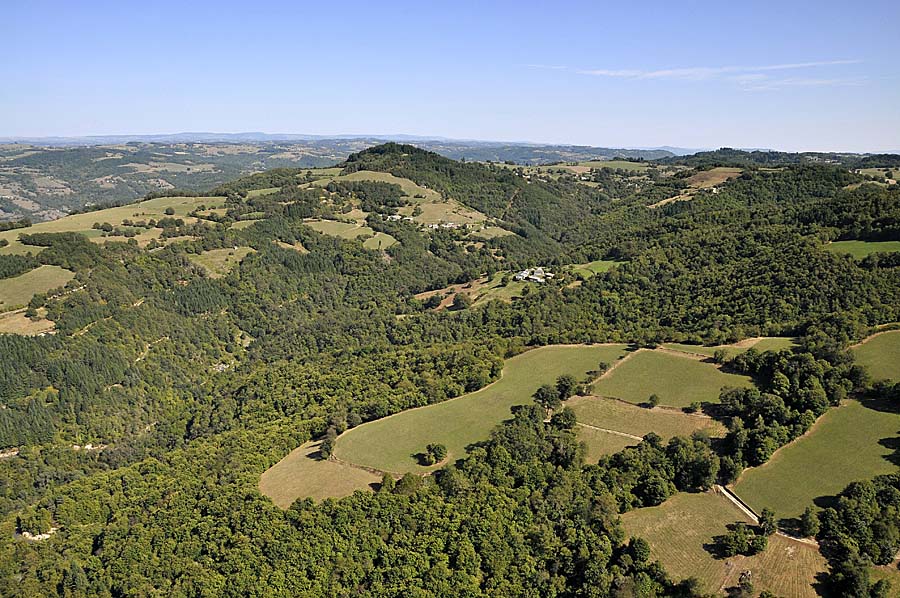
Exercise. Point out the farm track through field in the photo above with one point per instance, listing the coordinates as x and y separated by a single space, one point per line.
608 431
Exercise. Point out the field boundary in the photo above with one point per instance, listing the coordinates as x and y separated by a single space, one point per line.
608 431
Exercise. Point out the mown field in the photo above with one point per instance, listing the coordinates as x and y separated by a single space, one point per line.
639 421
82 223
391 444
677 380
17 291
219 262
766 343
303 474
596 267
860 249
856 441
347 230
681 531
881 355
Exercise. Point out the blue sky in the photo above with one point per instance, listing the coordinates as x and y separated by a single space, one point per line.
787 75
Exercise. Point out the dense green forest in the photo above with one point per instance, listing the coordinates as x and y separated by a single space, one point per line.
195 385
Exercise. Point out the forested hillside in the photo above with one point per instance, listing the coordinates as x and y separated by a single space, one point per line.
135 436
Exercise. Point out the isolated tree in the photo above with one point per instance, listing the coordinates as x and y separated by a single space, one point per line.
327 446
547 397
566 386
461 301
653 401
809 522
564 420
720 356
170 211
767 523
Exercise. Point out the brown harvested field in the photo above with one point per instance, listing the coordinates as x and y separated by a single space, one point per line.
681 532
712 177
296 246
702 180
15 322
303 474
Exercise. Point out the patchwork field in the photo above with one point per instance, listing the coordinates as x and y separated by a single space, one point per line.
677 380
17 291
219 262
390 444
303 474
880 354
856 441
433 208
681 530
480 291
81 223
860 249
630 419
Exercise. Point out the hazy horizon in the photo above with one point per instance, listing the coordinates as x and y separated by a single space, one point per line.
796 77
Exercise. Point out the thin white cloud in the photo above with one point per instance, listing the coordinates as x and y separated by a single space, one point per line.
703 73
767 84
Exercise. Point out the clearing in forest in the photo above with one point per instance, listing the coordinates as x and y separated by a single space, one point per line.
596 267
15 322
761 344
219 262
17 291
681 534
429 206
880 353
860 249
678 380
480 291
855 441
82 223
349 230
303 473
705 179
596 414
392 443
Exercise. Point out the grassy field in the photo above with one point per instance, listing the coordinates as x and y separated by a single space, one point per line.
17 291
596 267
346 230
491 232
881 355
677 380
600 443
638 421
145 210
266 191
860 249
302 474
15 322
766 343
681 529
480 290
219 262
848 443
390 444
379 241
434 208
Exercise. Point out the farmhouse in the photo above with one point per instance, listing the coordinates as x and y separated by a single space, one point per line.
537 274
